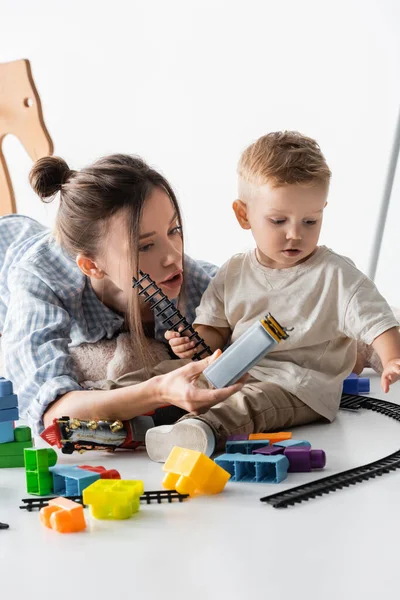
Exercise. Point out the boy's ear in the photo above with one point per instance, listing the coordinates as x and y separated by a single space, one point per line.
89 267
240 210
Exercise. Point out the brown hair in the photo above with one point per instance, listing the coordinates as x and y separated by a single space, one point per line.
284 157
88 198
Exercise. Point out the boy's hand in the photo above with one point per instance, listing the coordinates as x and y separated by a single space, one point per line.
391 374
181 346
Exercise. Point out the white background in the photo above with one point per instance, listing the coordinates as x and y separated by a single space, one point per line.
189 84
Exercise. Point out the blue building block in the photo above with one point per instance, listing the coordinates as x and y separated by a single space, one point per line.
70 480
6 432
254 468
356 385
9 401
6 387
293 444
8 414
245 446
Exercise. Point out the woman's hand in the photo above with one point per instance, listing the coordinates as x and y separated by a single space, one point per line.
181 346
179 387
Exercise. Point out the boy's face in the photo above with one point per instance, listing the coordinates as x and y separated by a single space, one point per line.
285 221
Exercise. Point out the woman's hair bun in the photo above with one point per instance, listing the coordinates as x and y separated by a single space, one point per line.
47 176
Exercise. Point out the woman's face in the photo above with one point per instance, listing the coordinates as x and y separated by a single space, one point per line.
160 246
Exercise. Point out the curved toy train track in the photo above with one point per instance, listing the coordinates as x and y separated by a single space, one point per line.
351 476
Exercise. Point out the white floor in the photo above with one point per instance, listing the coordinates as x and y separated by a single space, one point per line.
345 545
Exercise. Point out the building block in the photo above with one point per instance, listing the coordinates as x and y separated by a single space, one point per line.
245 446
6 432
271 437
104 473
63 515
190 472
39 480
356 385
245 352
269 450
22 433
293 444
10 401
6 388
238 438
10 462
303 460
113 499
255 468
70 480
14 448
40 459
8 414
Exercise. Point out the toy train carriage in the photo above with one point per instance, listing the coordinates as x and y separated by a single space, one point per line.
80 435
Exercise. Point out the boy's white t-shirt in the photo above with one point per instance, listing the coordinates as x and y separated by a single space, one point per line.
326 299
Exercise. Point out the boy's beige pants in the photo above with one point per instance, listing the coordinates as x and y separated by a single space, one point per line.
259 406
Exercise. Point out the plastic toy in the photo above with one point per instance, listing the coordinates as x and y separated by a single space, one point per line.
190 472
104 473
271 437
79 434
245 446
254 468
70 480
147 498
62 515
117 499
164 308
293 444
303 460
12 453
39 480
353 384
245 352
22 116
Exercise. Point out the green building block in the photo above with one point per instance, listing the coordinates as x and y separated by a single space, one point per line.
9 462
14 448
40 459
39 482
22 433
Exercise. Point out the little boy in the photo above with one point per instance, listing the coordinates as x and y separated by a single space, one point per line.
283 189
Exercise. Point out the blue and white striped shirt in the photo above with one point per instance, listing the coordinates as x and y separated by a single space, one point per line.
48 305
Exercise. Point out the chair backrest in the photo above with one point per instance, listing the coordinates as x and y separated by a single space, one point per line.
21 115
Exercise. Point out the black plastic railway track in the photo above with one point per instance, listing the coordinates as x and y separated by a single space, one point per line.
147 498
164 308
350 477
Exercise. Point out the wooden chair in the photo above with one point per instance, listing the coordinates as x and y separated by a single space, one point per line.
21 115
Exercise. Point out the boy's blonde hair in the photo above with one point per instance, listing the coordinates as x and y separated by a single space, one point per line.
281 158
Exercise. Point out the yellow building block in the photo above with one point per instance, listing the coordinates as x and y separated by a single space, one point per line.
189 472
113 498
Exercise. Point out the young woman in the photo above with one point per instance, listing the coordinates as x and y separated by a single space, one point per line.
61 289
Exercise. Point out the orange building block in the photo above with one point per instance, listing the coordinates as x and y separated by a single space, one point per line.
189 472
272 437
63 515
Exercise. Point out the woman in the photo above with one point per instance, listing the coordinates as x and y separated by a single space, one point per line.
57 291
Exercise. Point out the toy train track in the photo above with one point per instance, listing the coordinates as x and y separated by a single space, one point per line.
171 316
147 497
350 477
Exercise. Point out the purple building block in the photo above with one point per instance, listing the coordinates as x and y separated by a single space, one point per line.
303 460
269 450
